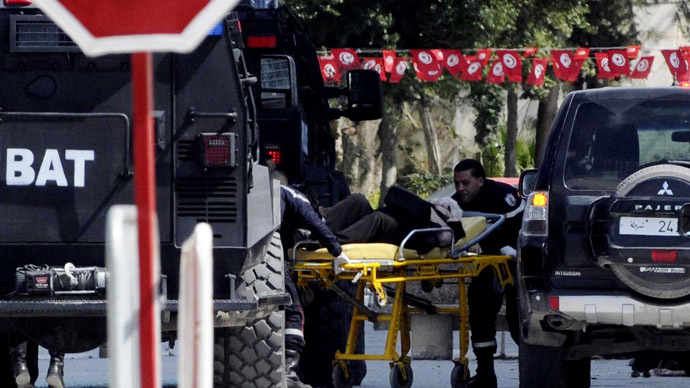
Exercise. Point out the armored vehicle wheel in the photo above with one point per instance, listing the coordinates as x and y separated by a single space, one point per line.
543 366
397 379
254 355
459 376
338 377
327 323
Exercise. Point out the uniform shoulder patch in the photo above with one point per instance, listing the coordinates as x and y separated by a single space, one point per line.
510 199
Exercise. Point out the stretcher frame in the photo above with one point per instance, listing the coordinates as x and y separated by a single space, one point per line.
376 273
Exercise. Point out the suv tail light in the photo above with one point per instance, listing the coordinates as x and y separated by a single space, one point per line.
273 152
535 217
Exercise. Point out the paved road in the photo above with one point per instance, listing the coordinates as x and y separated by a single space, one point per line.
86 370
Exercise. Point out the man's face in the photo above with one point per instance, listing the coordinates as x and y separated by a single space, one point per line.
466 186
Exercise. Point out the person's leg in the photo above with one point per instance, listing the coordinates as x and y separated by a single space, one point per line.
32 360
56 370
374 227
346 212
18 344
512 313
484 303
294 334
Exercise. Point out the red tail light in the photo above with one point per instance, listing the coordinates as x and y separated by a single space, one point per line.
17 2
273 152
554 303
261 41
664 256
217 150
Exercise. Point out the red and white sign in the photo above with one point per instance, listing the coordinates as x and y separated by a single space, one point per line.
124 26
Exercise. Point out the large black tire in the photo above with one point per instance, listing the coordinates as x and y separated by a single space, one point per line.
544 367
327 323
254 355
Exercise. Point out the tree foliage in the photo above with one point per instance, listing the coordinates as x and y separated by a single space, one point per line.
467 25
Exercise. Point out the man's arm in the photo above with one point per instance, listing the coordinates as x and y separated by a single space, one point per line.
309 219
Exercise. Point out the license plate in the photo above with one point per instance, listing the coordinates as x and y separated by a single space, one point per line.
649 226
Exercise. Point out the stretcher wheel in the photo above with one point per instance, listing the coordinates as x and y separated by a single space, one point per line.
460 376
396 377
339 379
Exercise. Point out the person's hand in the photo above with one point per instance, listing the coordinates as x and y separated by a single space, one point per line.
451 208
508 251
340 260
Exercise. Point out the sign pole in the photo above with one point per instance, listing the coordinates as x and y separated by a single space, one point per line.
145 199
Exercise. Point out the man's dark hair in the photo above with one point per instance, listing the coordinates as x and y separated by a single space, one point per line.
475 167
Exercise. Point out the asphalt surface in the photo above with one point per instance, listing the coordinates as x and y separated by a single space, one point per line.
86 370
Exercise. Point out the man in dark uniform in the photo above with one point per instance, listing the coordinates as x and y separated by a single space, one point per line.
474 192
297 213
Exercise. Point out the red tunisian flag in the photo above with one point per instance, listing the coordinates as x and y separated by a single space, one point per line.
581 53
676 63
329 69
389 60
536 76
430 75
496 75
473 72
530 51
632 51
643 67
483 55
424 60
347 58
603 66
562 61
399 68
618 62
455 62
374 64
512 64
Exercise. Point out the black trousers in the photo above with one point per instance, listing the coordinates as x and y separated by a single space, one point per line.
485 302
294 316
353 220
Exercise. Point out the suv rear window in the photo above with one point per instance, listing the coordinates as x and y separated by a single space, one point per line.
612 139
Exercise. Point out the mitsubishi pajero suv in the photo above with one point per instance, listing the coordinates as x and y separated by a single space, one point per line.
604 250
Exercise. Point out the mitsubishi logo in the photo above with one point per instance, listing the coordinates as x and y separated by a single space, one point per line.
665 190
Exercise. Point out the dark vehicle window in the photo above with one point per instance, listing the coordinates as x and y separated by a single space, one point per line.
612 139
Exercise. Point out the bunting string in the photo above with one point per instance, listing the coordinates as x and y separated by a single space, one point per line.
503 63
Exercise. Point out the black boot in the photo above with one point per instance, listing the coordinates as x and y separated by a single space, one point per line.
291 365
486 376
56 370
19 366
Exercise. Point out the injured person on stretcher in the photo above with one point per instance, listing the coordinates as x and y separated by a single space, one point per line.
353 221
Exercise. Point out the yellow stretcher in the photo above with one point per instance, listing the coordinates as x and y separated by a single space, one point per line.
374 265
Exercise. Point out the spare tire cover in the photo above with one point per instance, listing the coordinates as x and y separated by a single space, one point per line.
656 191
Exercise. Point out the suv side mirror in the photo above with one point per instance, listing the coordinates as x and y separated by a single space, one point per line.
528 180
278 82
365 95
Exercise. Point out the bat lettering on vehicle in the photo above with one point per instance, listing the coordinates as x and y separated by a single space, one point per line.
22 171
